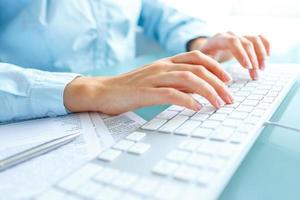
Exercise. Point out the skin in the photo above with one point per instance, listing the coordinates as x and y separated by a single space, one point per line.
170 80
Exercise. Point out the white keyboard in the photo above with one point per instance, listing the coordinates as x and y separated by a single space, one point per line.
182 154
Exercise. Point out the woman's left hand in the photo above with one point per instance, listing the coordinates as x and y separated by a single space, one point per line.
250 51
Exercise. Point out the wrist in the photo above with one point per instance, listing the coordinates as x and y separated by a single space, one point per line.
196 44
80 93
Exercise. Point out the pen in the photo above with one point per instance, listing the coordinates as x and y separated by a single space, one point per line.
36 151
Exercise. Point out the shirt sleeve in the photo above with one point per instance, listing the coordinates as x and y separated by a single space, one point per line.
30 93
172 29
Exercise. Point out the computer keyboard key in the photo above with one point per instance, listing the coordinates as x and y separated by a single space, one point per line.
272 94
232 122
154 124
268 100
136 136
139 148
164 168
218 117
199 160
257 112
186 173
188 112
129 196
200 117
173 124
255 97
238 98
250 102
209 148
177 155
210 124
222 133
89 189
252 120
207 110
72 197
225 110
109 155
123 145
235 104
243 108
146 186
238 138
217 163
189 144
167 114
245 128
242 93
202 132
187 127
247 89
261 92
263 106
238 115
107 175
168 191
53 194
80 176
176 108
109 193
125 180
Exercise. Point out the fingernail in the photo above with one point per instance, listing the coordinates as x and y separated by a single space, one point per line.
219 102
198 106
248 67
262 65
255 76
229 99
227 77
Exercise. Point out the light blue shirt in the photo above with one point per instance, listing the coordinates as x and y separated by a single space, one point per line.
75 36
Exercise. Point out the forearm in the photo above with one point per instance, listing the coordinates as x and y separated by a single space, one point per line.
29 93
169 27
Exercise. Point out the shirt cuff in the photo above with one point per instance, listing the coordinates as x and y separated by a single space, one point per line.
194 29
47 93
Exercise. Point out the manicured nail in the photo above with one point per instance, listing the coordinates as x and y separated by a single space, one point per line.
255 76
227 77
219 102
229 99
198 106
262 65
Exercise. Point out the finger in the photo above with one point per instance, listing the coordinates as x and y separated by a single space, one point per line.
253 74
198 58
166 95
260 50
250 50
266 43
235 46
190 83
209 77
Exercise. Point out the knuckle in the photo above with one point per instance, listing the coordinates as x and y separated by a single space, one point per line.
232 39
169 93
185 75
247 44
201 70
196 53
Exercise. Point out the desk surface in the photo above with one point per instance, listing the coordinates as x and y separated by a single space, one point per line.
271 170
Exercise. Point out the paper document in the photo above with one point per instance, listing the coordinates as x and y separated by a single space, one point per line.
98 132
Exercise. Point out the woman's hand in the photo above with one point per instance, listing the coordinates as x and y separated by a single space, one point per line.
166 81
250 51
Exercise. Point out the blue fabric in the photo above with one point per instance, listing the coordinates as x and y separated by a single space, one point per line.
76 36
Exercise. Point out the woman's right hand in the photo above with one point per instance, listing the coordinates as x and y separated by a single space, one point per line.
166 81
